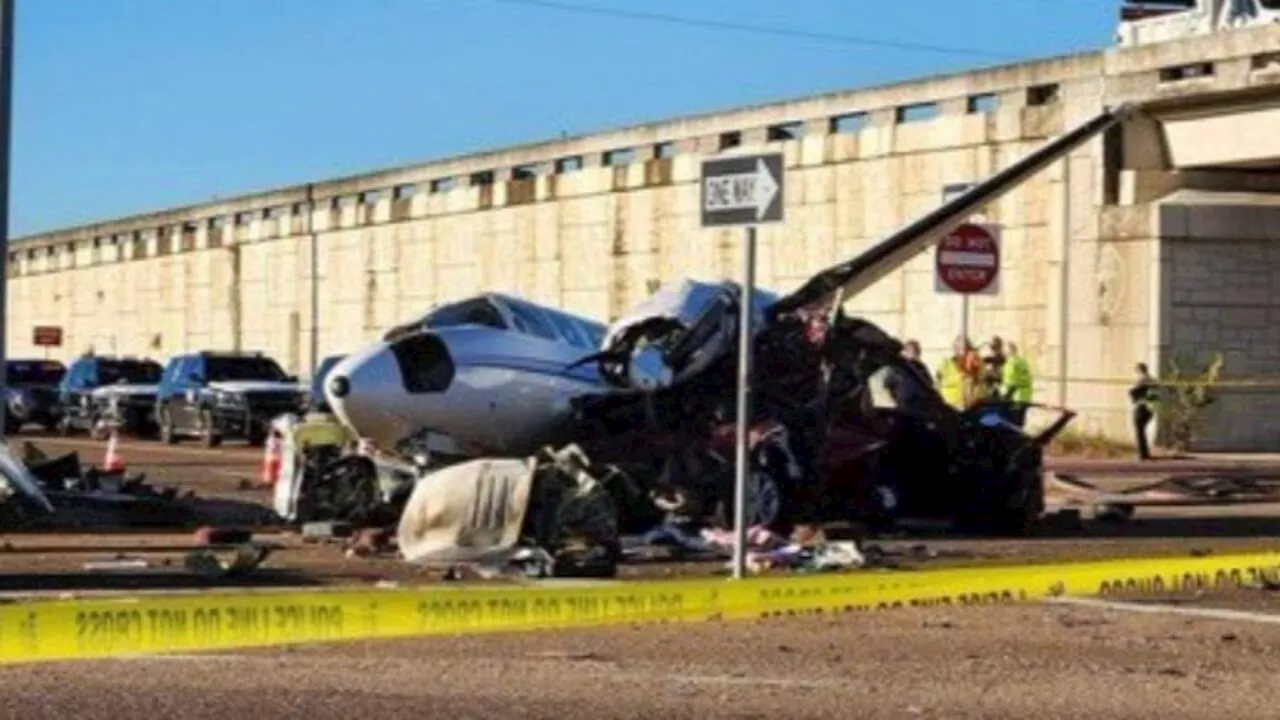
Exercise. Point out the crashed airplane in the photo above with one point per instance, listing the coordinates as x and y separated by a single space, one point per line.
651 400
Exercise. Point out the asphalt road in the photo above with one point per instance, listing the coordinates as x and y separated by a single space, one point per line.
979 662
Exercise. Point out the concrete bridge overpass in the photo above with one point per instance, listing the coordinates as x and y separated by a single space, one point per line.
1152 243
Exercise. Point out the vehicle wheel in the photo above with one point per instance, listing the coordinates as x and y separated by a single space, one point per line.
211 437
168 434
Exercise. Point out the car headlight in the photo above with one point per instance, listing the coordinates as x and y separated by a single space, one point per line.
230 399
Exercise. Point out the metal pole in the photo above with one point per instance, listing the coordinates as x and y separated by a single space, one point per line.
315 281
6 112
745 337
1064 290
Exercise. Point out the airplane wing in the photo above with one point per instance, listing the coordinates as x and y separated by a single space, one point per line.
853 276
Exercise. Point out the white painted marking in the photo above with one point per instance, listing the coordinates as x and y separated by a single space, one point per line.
967 259
1156 609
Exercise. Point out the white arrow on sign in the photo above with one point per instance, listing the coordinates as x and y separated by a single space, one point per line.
742 191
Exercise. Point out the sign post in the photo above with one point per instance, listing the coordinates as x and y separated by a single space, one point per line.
743 191
6 116
967 262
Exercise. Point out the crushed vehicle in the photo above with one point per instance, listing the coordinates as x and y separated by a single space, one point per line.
650 401
22 497
218 395
99 393
31 389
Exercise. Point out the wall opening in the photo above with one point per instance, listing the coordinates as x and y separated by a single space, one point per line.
1038 95
730 140
785 132
664 150
440 185
918 112
982 104
569 164
621 156
850 122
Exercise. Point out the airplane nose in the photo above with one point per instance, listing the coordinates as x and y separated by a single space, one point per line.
340 386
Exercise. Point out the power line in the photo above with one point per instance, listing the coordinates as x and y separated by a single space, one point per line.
757 29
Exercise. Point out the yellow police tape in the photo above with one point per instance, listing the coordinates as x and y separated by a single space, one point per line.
53 629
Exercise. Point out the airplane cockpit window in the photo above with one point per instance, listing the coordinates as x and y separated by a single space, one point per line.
531 321
468 312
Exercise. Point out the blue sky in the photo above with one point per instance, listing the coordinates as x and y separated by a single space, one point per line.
125 106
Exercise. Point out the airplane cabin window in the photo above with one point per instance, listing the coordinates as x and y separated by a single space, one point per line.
425 364
569 330
531 321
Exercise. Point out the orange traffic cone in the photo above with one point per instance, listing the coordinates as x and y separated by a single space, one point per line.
114 461
270 461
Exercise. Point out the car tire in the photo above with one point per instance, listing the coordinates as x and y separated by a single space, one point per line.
211 437
164 419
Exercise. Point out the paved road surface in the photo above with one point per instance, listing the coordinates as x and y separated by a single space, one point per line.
990 663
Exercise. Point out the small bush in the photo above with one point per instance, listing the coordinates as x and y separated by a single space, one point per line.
1074 443
1183 399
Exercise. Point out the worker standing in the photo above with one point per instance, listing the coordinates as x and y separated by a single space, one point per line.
1016 384
1143 397
959 375
992 369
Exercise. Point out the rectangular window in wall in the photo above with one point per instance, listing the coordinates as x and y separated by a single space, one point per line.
730 140
786 131
621 156
664 150
850 122
440 185
982 104
919 112
569 164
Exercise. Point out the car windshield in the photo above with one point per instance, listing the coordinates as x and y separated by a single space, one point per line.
222 369
34 372
133 372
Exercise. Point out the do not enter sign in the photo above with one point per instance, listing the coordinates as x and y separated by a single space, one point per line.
968 260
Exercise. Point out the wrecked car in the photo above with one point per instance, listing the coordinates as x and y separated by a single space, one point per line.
652 406
31 388
22 498
99 393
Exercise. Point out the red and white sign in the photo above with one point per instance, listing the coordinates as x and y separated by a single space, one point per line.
968 260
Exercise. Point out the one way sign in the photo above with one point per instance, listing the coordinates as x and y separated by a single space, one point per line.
745 190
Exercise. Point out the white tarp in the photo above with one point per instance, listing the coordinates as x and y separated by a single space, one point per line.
471 512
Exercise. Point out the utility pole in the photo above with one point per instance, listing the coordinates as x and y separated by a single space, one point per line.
6 116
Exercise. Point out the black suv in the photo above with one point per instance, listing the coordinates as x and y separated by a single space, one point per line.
217 395
99 392
31 387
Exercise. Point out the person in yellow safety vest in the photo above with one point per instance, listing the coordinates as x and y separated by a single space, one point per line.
958 375
1016 384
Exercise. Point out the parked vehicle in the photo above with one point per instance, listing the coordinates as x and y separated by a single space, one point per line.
218 395
31 389
102 392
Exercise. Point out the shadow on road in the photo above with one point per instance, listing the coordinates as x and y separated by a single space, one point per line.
132 581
